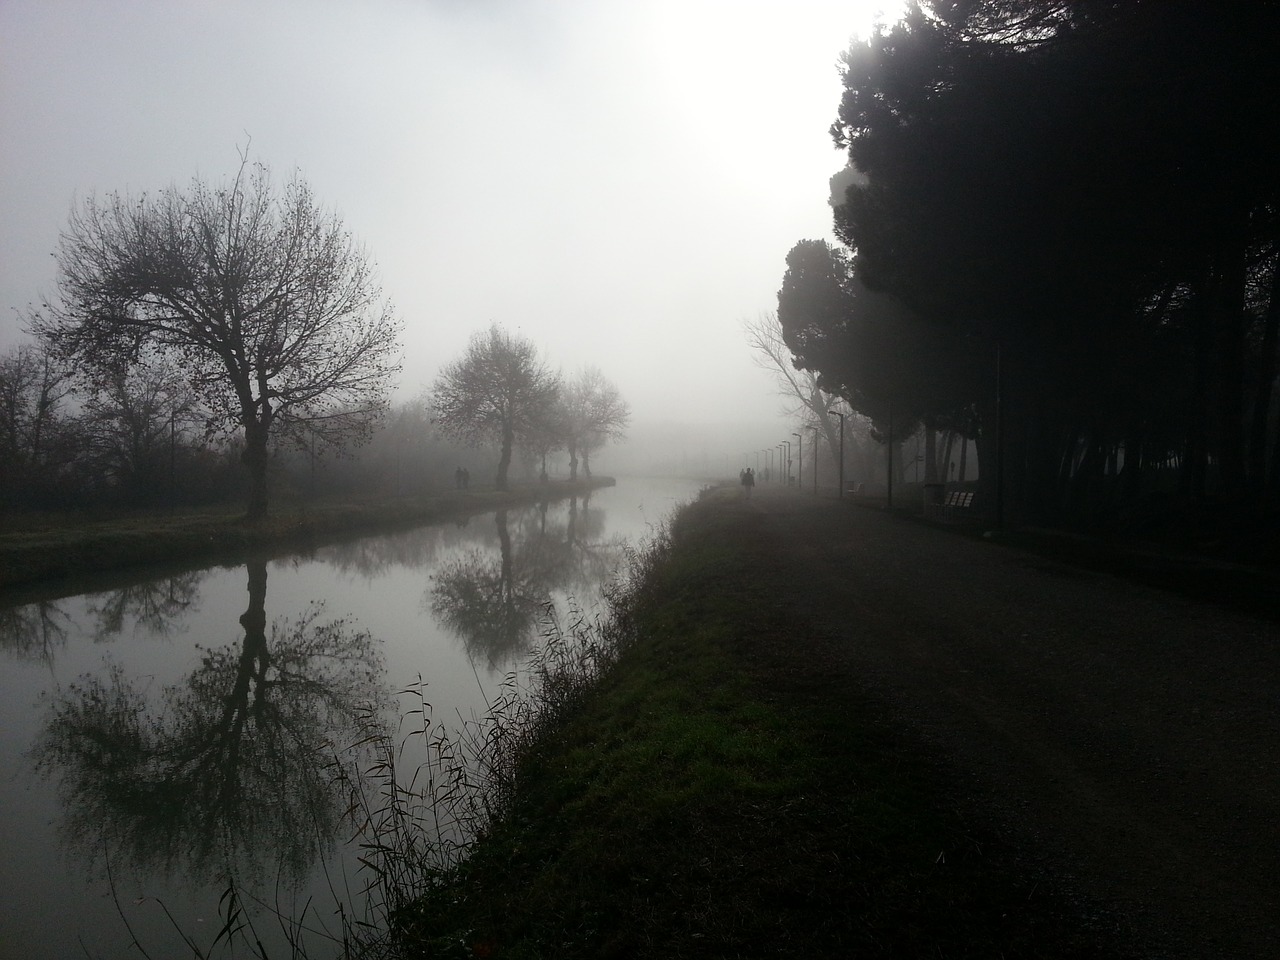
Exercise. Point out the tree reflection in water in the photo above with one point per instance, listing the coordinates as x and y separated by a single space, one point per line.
230 772
156 605
34 630
493 603
490 602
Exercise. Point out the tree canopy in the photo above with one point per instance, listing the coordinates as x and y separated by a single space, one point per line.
1086 190
593 412
258 294
498 391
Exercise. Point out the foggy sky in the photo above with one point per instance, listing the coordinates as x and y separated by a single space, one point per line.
618 181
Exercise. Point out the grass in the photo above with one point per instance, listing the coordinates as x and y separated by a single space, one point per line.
715 794
40 549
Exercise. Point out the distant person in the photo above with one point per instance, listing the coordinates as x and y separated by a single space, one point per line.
749 481
457 478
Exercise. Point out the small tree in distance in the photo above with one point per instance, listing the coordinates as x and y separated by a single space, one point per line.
261 297
594 413
498 391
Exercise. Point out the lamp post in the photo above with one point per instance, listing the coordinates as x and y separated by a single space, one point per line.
814 428
837 413
787 474
799 461
778 447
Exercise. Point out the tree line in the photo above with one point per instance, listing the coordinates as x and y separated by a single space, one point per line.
205 339
1058 235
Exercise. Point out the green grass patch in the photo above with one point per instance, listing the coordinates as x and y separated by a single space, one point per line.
720 794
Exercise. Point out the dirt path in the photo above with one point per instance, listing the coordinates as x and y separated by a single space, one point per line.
1127 738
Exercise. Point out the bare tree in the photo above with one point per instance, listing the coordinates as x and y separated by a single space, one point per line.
133 416
498 391
33 385
803 398
262 297
594 414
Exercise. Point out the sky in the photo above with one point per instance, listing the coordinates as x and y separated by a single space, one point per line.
619 182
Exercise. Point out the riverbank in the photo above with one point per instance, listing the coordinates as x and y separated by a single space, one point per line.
41 554
729 790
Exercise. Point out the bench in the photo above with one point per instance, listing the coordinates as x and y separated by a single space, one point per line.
948 507
956 502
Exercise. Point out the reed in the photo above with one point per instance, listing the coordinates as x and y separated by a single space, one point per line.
434 790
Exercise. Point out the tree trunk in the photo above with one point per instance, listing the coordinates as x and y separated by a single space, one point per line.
508 440
1229 307
1267 369
506 580
255 458
573 461
1131 472
586 463
1193 477
948 443
930 452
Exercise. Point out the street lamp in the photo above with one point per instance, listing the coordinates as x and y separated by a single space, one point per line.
778 447
799 461
787 475
837 413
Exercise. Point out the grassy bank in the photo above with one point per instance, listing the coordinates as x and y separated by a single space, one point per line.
721 794
41 550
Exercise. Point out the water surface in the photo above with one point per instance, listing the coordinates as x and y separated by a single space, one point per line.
161 736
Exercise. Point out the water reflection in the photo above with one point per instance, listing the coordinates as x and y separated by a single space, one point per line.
157 606
34 631
228 770
492 600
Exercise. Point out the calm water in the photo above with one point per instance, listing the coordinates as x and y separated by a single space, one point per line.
156 737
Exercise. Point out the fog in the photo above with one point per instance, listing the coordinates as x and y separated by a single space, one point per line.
619 182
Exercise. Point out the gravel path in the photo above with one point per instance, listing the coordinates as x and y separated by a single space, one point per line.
1126 737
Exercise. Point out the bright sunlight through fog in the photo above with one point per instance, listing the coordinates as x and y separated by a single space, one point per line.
619 182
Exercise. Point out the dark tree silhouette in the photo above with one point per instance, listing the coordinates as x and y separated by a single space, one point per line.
499 391
159 605
868 348
1104 221
491 602
799 387
133 416
594 413
261 297
229 772
493 598
34 630
38 440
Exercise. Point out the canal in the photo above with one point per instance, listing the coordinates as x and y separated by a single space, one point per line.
162 737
